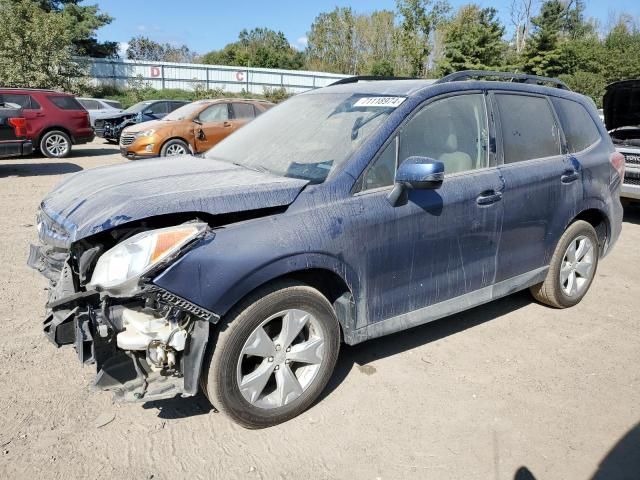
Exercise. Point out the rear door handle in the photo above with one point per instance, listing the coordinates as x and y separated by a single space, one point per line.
569 176
488 197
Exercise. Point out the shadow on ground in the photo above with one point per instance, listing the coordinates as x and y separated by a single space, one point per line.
622 462
37 169
632 213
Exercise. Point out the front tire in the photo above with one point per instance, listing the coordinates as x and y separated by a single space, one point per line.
572 268
273 355
55 144
174 147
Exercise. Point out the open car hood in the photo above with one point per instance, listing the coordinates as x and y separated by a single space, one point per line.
99 199
622 104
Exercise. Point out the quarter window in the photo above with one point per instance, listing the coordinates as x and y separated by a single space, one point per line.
381 173
529 129
579 129
65 103
453 130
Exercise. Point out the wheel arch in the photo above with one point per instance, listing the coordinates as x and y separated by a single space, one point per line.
599 220
176 137
51 129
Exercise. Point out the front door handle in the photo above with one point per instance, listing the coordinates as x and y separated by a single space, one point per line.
488 197
569 176
227 124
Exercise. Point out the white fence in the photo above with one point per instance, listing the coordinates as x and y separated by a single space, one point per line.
188 76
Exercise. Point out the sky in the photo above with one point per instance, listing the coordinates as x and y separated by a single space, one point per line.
205 25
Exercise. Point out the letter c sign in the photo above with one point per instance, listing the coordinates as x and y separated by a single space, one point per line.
155 71
240 76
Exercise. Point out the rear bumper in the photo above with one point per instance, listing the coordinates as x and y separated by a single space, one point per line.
17 148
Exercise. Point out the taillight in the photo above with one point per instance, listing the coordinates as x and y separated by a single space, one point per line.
617 161
19 125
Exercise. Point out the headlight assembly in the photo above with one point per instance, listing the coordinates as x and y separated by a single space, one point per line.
146 133
135 256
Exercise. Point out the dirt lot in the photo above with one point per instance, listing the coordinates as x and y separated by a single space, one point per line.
479 395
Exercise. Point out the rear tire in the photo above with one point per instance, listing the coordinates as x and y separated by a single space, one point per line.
572 268
260 373
174 147
55 144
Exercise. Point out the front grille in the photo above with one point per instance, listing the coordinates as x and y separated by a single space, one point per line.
127 139
629 180
632 158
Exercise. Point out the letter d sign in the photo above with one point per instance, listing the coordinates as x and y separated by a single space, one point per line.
155 71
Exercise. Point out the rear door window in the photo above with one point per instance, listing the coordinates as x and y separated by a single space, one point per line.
580 131
243 110
158 108
25 101
65 103
175 105
528 126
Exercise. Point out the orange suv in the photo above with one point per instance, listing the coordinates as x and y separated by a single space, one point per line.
193 128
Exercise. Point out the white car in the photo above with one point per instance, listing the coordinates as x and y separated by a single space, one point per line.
100 108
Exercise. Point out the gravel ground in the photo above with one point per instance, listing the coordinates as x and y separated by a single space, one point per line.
508 390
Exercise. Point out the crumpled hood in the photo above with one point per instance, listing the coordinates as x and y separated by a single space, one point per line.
621 104
99 199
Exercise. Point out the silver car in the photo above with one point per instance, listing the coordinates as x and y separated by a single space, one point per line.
100 108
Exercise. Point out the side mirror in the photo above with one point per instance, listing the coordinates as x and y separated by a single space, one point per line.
416 173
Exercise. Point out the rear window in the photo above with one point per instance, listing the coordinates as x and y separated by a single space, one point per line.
113 104
579 128
243 110
25 101
529 129
89 104
65 103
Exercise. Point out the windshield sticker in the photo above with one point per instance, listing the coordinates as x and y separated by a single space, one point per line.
384 102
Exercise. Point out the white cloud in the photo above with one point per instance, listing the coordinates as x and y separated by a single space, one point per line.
302 42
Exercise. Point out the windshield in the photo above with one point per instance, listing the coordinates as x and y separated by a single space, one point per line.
187 111
138 107
308 136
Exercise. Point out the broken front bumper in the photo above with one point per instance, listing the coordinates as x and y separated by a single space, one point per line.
91 321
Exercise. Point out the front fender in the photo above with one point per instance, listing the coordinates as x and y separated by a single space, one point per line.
217 282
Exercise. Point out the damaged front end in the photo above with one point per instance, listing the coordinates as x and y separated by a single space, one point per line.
111 128
145 342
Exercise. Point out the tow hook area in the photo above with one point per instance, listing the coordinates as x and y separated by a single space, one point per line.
156 357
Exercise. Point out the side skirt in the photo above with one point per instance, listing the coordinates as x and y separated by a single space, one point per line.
447 307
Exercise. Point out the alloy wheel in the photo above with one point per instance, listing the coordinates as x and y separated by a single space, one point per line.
56 145
577 266
280 359
175 149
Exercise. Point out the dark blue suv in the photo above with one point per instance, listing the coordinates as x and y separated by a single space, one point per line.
343 214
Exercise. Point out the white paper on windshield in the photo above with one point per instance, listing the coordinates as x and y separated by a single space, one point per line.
384 102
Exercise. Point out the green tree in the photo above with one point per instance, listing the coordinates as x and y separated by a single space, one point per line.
83 22
472 41
542 55
36 47
260 47
418 18
330 42
143 48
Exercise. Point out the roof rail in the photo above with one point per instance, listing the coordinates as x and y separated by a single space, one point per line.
514 77
367 78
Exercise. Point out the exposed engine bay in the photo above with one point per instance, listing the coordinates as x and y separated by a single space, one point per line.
145 342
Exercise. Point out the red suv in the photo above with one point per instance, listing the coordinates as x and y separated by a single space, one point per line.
55 121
